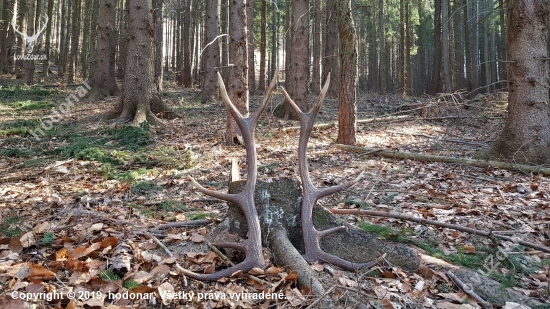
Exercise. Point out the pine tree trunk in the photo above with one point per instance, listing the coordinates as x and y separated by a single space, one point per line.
347 106
274 39
330 57
438 53
157 20
185 28
103 81
315 87
139 85
251 46
75 36
237 84
21 44
263 45
28 65
211 53
382 68
6 35
298 70
526 135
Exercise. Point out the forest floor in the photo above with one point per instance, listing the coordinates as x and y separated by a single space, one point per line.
78 203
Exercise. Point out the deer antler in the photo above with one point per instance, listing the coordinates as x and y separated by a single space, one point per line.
311 194
245 199
13 24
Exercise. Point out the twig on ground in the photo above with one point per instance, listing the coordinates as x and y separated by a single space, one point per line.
178 266
224 257
321 297
432 158
436 223
464 287
191 223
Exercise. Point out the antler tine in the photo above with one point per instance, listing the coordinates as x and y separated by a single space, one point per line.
268 94
13 24
227 101
311 194
252 246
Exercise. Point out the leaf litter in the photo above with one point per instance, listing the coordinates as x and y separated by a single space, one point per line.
101 257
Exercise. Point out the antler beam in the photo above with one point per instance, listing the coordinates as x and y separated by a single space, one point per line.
245 199
311 194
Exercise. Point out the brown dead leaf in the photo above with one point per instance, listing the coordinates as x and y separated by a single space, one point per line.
295 297
41 228
317 267
387 303
109 242
15 245
347 282
256 271
38 272
196 237
6 302
28 240
209 269
274 270
469 248
291 277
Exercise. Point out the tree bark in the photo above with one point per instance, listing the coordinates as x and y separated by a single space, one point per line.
103 81
274 39
75 36
296 80
263 45
526 135
237 85
211 53
330 57
185 28
28 64
6 35
315 87
347 105
435 85
251 46
159 36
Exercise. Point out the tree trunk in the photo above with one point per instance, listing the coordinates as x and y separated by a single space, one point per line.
224 21
263 45
139 85
383 66
526 135
238 72
6 35
251 46
103 80
330 57
28 64
157 20
347 107
296 80
86 28
185 28
274 39
503 52
211 53
436 72
75 36
315 87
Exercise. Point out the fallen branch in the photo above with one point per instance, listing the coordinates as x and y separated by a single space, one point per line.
432 158
328 125
192 223
437 223
464 287
178 266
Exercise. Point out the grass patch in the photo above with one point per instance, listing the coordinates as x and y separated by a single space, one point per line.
19 92
11 226
145 187
480 260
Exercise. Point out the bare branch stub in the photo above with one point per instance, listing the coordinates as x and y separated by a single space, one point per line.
311 194
252 246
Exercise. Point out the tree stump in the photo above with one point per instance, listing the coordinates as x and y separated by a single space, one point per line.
278 204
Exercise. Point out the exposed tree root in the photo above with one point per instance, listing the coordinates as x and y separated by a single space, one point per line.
431 158
437 223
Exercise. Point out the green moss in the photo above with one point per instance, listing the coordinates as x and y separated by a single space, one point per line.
321 218
109 275
11 226
145 187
